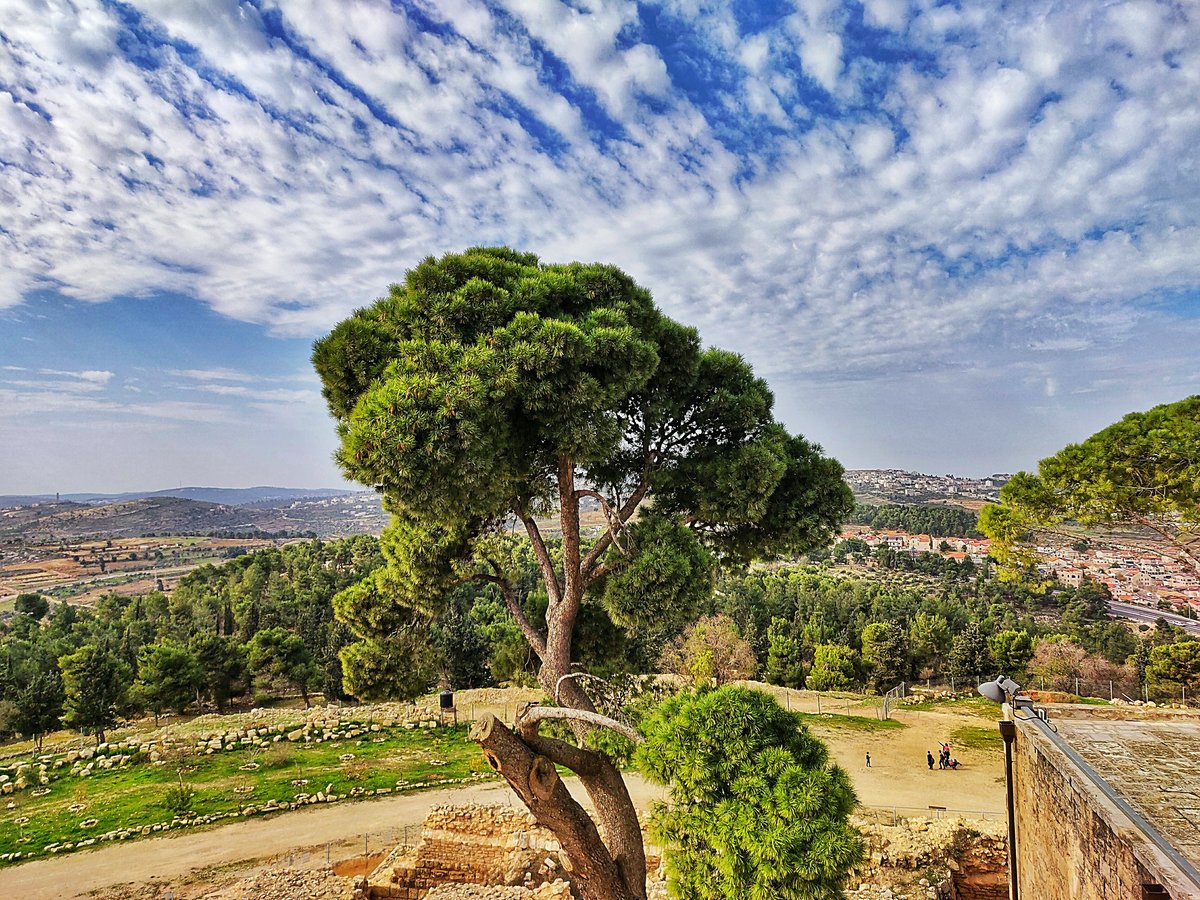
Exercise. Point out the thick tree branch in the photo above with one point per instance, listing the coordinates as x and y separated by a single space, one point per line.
528 723
553 587
598 873
569 518
603 782
1174 539
536 638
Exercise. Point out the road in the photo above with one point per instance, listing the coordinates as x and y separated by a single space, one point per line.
1149 615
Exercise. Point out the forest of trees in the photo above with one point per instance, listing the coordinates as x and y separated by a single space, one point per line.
263 626
938 520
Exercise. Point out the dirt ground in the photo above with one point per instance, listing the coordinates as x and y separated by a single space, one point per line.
190 865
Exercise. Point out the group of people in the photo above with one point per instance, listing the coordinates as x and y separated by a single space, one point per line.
945 760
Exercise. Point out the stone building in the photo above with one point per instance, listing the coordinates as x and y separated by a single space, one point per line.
1107 804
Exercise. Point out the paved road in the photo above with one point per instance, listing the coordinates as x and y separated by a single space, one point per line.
1148 615
173 856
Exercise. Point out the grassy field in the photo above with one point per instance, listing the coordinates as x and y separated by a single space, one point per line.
977 737
75 809
961 706
841 722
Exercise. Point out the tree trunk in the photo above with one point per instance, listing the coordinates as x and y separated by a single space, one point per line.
616 871
612 867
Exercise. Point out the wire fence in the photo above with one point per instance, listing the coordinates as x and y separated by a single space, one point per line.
1126 689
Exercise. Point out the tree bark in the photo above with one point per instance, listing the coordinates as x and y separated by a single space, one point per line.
597 872
612 867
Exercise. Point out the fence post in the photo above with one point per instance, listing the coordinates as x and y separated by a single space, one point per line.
818 703
1110 692
1076 685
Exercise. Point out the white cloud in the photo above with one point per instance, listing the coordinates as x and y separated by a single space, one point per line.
93 376
1020 189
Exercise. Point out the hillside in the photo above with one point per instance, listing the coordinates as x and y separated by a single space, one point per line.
227 496
342 514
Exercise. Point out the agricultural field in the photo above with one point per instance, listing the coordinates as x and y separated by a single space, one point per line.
80 570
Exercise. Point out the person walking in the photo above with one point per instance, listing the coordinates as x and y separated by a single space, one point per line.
929 757
868 760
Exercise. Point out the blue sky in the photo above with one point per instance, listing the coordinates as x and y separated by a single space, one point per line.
953 237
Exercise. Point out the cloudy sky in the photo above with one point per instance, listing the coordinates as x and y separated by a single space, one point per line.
953 236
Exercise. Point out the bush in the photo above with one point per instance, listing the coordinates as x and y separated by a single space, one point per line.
179 798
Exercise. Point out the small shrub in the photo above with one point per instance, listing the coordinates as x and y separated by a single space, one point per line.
179 798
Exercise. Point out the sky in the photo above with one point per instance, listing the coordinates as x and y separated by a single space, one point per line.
952 236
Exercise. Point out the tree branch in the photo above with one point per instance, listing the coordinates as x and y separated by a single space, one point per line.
606 540
569 518
615 525
1170 537
598 873
528 724
536 639
553 588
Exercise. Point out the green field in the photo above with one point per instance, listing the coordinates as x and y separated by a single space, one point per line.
77 808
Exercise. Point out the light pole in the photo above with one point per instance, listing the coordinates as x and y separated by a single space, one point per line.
1005 691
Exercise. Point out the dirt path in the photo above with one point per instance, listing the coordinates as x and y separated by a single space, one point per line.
898 779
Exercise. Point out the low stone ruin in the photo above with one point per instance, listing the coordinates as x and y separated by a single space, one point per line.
938 859
473 845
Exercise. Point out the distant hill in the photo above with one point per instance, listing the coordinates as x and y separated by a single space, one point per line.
332 515
226 496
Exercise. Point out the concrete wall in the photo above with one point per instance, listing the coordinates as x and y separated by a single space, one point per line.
1073 843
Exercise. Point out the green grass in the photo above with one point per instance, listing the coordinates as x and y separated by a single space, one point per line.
840 721
976 737
136 795
964 706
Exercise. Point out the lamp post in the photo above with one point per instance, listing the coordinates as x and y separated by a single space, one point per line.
1005 691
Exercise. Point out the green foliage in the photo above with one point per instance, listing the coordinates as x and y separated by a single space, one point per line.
277 655
168 676
96 683
935 519
222 662
710 652
755 808
482 386
885 656
666 582
400 667
178 798
785 655
1142 470
969 654
1175 666
928 640
33 605
1011 652
38 705
832 668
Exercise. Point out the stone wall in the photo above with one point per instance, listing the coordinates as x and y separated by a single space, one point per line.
472 844
1073 843
906 858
